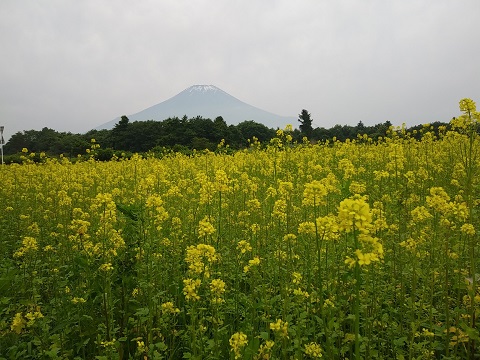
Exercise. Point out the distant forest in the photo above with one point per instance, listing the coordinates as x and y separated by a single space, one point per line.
176 134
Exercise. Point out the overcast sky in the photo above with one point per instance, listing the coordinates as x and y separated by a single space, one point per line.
73 65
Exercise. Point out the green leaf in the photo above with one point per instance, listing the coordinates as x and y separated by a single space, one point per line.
401 341
264 335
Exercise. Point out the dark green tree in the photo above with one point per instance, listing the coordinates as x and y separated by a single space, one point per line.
360 127
18 141
173 132
220 129
250 128
305 123
119 132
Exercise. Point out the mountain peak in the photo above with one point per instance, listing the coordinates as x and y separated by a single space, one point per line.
202 88
207 101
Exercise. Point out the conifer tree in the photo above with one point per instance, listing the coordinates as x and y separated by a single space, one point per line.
305 123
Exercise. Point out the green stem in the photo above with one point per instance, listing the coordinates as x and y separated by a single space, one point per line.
105 311
357 301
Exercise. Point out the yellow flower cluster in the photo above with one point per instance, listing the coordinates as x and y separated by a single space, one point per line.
253 205
470 118
348 168
296 277
307 228
301 293
468 229
253 262
237 342
244 246
29 245
222 183
157 211
169 308
141 348
32 316
354 214
366 259
467 105
19 321
106 267
217 289
280 327
199 257
79 237
450 212
290 238
264 351
314 194
190 287
280 210
207 190
78 300
285 189
205 228
313 350
419 214
438 199
357 188
458 336
109 238
327 227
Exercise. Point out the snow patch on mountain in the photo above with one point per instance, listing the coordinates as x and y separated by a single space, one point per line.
202 88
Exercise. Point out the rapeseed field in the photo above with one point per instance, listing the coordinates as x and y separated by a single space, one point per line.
356 250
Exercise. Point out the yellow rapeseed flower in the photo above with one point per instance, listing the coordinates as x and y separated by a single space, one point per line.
280 209
106 267
285 188
468 229
254 262
169 308
280 327
327 227
264 350
222 183
141 348
367 258
314 193
190 287
467 105
244 246
237 342
32 316
205 228
18 323
29 245
307 228
217 289
78 300
198 257
357 188
313 350
296 277
354 213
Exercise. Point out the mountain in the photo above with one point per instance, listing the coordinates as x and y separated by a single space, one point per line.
210 102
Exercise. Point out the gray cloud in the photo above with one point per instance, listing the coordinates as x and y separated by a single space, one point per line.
73 65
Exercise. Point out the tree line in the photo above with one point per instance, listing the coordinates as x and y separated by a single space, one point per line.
179 134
